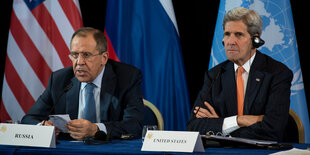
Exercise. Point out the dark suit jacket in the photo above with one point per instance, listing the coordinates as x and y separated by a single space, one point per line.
267 93
121 105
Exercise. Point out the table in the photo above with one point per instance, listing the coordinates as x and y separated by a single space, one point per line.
121 147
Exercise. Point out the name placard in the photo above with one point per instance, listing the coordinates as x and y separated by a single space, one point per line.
27 135
172 141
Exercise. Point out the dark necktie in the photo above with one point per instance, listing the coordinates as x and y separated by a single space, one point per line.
90 106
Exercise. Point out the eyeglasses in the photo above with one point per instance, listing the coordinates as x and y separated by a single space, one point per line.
85 55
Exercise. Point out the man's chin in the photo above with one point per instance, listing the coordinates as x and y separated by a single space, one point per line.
83 78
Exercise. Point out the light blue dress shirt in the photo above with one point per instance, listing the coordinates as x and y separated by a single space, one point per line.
82 100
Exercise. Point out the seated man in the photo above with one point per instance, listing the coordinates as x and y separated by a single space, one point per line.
97 93
248 95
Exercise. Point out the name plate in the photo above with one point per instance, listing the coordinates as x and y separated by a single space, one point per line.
172 141
27 135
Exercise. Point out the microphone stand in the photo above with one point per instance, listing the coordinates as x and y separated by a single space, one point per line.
211 85
65 90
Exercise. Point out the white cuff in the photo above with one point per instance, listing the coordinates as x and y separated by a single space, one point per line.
102 127
229 125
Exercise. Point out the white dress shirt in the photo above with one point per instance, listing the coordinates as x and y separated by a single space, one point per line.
82 100
230 123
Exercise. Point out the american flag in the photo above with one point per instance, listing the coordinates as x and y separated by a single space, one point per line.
38 43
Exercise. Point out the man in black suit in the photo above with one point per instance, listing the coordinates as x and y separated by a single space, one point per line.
261 109
116 91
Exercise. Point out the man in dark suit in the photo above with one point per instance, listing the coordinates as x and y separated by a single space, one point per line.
116 94
253 103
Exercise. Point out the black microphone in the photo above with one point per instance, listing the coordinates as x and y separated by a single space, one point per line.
219 71
65 90
100 138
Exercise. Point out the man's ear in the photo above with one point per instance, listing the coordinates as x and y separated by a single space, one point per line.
105 57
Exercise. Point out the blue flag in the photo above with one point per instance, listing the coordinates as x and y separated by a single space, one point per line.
144 33
281 44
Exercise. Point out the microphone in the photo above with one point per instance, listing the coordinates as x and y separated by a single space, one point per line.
219 71
100 138
65 90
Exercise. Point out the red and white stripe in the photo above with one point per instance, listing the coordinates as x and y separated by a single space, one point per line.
38 44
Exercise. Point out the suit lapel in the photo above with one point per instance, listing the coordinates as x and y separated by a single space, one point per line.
72 99
108 86
254 83
229 86
255 80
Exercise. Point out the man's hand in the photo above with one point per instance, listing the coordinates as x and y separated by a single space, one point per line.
202 113
49 123
248 120
81 128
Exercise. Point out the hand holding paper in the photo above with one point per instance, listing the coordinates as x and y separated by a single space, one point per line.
60 121
81 128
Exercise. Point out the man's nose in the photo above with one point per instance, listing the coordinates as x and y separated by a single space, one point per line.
231 40
80 60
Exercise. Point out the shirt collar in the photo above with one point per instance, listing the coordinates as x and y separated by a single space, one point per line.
97 81
247 65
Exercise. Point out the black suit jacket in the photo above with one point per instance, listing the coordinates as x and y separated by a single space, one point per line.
121 105
267 93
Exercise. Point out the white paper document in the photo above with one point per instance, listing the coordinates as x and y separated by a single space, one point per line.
59 121
292 152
